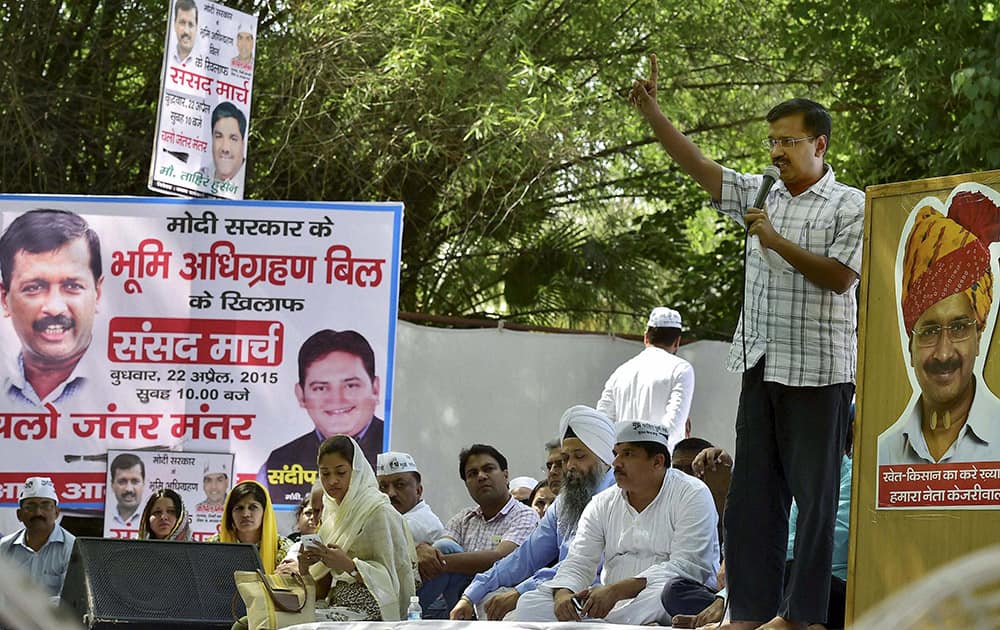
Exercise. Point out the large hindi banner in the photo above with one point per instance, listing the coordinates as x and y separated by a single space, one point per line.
169 325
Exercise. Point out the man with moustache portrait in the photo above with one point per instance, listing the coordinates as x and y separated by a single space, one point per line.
946 299
50 263
185 30
128 481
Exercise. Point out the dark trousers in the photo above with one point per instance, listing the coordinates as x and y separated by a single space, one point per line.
682 596
789 443
835 610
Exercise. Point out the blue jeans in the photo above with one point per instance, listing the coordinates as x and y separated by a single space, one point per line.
448 586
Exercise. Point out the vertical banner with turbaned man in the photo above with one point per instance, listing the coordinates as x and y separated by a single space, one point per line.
926 486
171 325
203 119
943 451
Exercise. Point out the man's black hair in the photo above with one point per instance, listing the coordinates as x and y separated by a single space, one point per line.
815 118
186 5
125 461
225 109
692 445
45 230
326 341
479 449
662 337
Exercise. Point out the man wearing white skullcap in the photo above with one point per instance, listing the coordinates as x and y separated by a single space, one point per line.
658 525
399 479
656 385
521 487
42 549
244 48
587 440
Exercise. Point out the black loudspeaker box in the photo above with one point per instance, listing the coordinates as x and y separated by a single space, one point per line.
155 585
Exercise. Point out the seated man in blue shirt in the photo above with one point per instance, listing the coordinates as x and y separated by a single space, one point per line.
42 549
587 440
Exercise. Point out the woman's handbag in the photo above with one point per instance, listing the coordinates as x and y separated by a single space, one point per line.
276 601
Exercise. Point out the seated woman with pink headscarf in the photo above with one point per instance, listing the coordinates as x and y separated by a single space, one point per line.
365 568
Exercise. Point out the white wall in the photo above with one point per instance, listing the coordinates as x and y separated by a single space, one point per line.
509 389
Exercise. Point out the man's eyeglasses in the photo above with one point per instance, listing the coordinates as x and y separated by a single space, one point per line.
930 334
784 143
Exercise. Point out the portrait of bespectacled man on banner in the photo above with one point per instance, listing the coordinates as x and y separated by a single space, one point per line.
946 280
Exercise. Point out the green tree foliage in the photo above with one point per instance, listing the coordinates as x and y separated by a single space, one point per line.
532 190
917 83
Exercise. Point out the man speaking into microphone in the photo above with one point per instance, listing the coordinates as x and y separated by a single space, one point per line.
797 348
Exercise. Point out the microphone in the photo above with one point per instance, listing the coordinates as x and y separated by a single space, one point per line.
771 175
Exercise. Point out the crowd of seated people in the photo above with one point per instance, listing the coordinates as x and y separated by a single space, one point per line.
629 536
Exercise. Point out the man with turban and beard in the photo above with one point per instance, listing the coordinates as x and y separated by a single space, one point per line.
947 294
587 440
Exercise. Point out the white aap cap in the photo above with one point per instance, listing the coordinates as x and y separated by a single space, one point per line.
635 431
392 462
663 317
38 488
523 482
212 468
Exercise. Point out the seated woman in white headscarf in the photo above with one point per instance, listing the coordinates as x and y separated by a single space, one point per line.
366 568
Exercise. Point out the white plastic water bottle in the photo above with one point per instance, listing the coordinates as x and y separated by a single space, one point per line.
414 612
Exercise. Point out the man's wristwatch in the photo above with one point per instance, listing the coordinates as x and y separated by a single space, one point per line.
355 575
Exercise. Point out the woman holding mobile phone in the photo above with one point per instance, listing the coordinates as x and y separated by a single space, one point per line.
366 565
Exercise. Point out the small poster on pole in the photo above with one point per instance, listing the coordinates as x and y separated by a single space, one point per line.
203 118
200 480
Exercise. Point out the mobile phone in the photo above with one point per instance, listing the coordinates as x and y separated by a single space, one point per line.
311 540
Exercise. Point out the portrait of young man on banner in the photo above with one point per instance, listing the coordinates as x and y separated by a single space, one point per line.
50 262
946 271
339 390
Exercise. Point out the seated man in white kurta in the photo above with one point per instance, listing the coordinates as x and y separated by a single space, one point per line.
657 524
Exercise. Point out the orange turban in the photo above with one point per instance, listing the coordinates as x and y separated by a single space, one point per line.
946 255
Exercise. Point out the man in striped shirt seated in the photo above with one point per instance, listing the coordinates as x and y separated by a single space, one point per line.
476 537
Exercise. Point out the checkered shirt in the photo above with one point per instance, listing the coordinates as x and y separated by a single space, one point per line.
809 334
514 522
